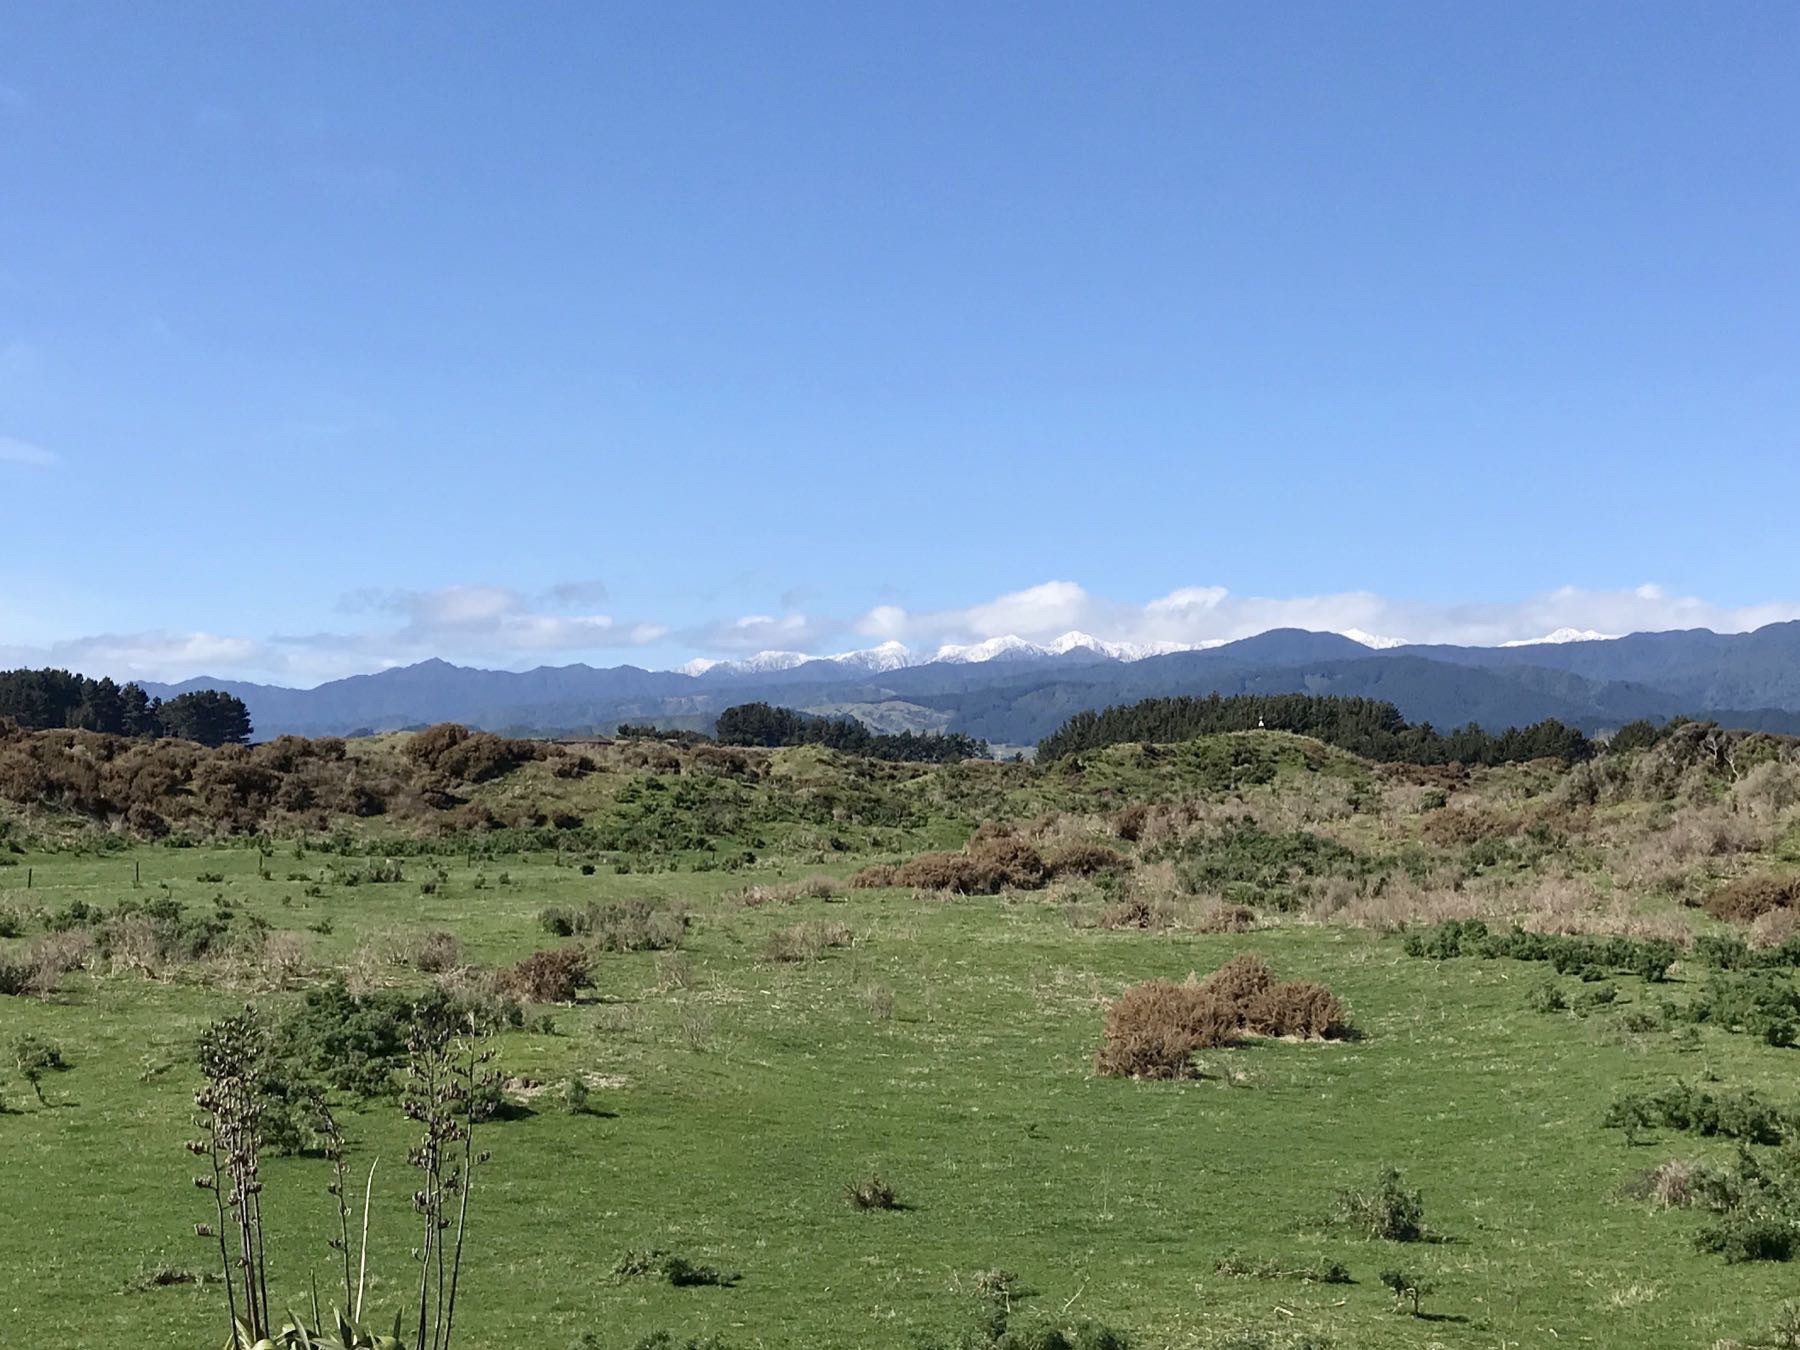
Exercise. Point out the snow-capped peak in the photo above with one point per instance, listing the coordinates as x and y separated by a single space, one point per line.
1373 640
1008 648
764 662
698 666
1119 651
888 656
1069 642
1562 635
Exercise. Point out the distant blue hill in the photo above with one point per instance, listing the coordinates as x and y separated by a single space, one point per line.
1746 679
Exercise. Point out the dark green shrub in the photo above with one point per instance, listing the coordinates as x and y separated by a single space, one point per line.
667 1265
1690 1109
1546 997
1760 1004
1593 998
1386 1209
1744 1235
1408 1289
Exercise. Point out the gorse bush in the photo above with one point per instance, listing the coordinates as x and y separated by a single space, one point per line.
675 1269
1240 981
991 863
1753 1204
1084 860
1749 898
1650 960
1154 1028
1690 1109
1546 996
1385 1209
1318 1271
1762 1004
1297 1008
1246 864
552 976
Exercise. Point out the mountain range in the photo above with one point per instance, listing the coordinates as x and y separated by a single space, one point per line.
1012 692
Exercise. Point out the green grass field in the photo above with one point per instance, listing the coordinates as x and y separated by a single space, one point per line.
736 1097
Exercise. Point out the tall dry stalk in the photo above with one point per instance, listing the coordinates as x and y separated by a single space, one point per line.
232 1053
449 1093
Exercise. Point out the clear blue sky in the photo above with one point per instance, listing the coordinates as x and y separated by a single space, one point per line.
404 328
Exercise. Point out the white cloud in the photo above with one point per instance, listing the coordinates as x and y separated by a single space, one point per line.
1197 615
24 452
761 632
154 655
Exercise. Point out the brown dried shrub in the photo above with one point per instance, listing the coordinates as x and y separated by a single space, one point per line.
1297 1008
1084 860
1749 898
1668 1185
1239 982
469 756
937 872
1223 918
1454 826
1128 824
437 951
874 877
1131 911
40 967
554 976
992 862
1153 1029
1776 927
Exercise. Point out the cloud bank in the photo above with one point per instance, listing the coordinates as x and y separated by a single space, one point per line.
500 626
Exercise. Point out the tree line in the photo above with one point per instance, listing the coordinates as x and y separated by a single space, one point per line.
1368 727
765 724
52 700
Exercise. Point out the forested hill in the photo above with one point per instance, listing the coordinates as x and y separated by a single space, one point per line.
50 700
1366 727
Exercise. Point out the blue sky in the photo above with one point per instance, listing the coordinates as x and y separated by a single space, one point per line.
337 335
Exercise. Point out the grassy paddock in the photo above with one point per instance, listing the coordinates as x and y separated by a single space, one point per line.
948 1049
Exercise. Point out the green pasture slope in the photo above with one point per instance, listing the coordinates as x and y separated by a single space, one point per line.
737 1102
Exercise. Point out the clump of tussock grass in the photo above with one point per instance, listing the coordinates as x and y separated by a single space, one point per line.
674 971
803 942
637 925
878 1000
1673 1184
38 971
787 893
